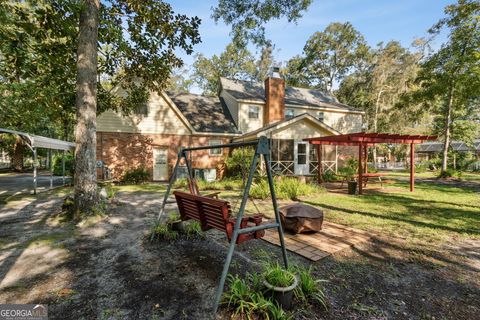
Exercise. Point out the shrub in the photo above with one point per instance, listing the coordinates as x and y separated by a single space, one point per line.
136 176
329 176
239 161
260 190
193 230
292 188
278 277
248 302
349 172
450 173
285 188
421 167
164 232
58 166
180 183
309 289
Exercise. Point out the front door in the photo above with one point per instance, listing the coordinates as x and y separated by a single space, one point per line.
301 157
160 161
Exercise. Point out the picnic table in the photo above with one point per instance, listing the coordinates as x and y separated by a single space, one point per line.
365 176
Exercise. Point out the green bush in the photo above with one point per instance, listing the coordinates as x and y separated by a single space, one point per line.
164 232
451 173
58 166
136 176
329 176
247 302
285 188
278 276
239 161
180 183
247 298
421 167
309 289
260 190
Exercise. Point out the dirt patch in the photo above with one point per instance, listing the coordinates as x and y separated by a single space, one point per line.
107 270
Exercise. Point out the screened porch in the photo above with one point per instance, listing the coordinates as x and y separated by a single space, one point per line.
290 157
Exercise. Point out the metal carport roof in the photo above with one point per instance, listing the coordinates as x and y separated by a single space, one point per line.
35 141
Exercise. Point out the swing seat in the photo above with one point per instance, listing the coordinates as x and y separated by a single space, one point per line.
215 213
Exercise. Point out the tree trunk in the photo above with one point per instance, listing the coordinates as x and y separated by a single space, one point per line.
375 125
86 195
17 158
448 123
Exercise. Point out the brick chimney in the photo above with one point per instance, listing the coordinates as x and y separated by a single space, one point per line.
275 98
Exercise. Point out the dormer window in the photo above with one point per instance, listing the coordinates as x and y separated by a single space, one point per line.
253 112
320 116
289 113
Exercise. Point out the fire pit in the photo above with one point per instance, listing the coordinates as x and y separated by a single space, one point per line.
301 218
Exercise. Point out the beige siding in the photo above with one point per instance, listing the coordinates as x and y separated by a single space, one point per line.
246 124
300 130
161 119
341 121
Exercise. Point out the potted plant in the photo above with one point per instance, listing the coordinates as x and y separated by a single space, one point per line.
281 283
175 223
351 182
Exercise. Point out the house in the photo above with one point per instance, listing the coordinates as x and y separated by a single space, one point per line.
242 111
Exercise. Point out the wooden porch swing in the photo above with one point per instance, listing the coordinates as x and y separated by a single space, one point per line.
215 213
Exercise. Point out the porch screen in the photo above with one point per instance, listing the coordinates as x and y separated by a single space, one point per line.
282 149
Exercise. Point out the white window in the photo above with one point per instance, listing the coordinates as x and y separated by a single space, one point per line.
216 151
253 112
141 109
321 116
289 113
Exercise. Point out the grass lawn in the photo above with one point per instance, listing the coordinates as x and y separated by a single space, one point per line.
432 213
422 263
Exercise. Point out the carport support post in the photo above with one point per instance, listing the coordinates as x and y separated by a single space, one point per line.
412 167
34 170
51 167
63 167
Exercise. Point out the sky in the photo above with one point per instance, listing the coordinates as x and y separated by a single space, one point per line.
377 20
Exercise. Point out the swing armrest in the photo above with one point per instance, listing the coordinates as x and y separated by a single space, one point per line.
212 195
256 218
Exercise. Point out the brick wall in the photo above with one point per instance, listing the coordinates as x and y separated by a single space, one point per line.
121 151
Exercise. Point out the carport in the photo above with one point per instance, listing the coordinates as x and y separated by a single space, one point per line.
34 142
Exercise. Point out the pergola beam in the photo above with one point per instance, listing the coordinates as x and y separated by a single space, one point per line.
364 140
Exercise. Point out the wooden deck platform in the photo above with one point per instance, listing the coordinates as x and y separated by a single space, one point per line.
315 246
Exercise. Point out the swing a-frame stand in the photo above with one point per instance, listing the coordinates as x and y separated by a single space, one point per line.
262 148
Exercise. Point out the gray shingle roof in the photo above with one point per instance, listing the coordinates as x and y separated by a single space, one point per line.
456 146
293 95
205 114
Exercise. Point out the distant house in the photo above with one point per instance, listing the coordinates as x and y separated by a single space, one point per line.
242 111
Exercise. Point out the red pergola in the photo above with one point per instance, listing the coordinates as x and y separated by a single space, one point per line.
363 141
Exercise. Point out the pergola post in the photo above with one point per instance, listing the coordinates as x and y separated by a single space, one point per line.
34 170
336 159
319 159
412 167
360 169
365 154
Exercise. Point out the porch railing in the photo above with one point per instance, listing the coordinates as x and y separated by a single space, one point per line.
283 168
286 168
326 166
